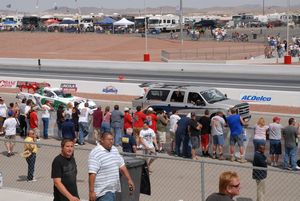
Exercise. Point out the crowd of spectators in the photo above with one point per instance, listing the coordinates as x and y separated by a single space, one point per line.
151 131
280 47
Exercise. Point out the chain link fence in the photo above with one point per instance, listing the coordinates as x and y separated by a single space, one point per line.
220 53
172 179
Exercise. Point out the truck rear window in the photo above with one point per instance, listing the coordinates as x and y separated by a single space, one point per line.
161 95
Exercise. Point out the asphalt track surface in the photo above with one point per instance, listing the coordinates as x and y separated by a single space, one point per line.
266 81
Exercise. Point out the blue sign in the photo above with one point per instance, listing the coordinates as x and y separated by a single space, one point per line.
250 98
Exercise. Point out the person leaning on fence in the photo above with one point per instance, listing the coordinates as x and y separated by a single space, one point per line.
64 173
260 160
275 130
34 122
291 134
104 166
148 141
30 151
229 186
236 123
10 125
128 141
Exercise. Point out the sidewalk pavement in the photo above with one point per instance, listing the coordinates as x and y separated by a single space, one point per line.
16 194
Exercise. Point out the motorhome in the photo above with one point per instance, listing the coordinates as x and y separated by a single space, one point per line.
86 22
164 23
12 22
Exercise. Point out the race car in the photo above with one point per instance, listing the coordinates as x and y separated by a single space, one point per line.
56 96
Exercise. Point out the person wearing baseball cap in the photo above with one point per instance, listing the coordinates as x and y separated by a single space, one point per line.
275 130
34 122
127 119
10 126
3 112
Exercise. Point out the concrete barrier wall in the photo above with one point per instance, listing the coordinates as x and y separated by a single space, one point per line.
256 96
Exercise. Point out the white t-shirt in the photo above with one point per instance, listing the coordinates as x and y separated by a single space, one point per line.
260 133
148 136
84 114
275 131
27 109
45 113
10 125
3 110
174 118
217 125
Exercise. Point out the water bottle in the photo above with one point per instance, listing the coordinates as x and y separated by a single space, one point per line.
1 180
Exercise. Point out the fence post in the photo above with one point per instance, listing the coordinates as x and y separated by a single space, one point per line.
202 181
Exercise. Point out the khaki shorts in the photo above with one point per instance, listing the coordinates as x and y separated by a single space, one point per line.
10 138
36 132
162 137
136 132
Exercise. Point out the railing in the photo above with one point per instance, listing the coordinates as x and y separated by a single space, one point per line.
172 179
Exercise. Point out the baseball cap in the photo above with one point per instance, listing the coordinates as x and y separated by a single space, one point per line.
126 109
150 109
276 119
193 114
10 113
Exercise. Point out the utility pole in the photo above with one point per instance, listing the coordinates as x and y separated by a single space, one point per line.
181 22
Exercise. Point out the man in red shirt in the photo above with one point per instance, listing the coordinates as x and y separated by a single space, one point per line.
34 122
127 119
152 119
97 121
138 122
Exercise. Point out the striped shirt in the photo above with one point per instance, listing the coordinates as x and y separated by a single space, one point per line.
106 165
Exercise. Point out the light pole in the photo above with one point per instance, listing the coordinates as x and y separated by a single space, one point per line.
263 7
146 29
288 27
181 21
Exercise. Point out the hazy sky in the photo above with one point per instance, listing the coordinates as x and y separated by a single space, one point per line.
31 5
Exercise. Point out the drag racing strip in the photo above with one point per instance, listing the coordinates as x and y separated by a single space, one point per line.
253 96
132 79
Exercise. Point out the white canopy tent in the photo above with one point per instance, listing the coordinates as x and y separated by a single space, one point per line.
122 22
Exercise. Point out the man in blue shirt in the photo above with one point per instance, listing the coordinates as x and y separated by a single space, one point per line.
128 141
236 123
183 137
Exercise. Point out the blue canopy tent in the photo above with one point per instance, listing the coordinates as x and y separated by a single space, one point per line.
106 21
68 22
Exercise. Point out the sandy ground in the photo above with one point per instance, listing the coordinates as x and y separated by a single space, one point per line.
107 47
94 46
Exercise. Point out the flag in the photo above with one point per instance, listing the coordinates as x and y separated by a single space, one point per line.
8 6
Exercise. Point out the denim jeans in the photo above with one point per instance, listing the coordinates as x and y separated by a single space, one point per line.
179 140
31 163
186 148
105 127
290 153
83 131
46 126
117 136
257 143
59 127
23 125
109 196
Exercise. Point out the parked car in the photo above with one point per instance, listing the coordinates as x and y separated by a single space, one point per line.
188 99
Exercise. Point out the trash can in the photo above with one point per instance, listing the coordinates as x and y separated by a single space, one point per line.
147 57
254 36
134 166
287 59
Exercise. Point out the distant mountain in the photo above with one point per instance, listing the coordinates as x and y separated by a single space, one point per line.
218 10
